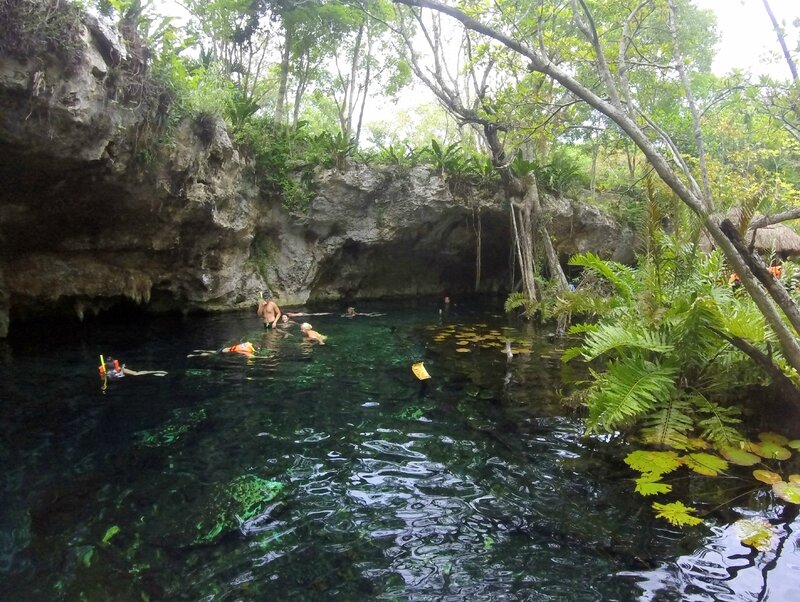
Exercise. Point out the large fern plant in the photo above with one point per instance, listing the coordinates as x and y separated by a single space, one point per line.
659 352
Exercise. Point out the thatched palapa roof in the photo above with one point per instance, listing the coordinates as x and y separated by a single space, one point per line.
778 237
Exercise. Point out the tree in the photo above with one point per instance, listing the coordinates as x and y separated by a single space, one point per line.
653 141
468 100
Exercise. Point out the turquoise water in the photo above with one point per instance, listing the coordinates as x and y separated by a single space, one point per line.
331 472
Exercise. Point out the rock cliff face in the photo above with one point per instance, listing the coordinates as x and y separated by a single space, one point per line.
89 221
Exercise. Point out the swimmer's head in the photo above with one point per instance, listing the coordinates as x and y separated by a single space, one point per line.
284 318
266 296
305 326
351 311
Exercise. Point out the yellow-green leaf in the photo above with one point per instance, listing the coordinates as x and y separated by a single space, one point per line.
773 451
697 443
656 462
788 492
112 531
757 533
794 444
649 484
705 464
737 456
773 438
766 476
793 478
677 513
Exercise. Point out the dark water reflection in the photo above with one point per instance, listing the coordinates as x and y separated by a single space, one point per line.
477 486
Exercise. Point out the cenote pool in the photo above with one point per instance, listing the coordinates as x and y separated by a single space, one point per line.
332 473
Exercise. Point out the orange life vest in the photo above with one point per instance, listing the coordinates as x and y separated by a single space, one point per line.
243 348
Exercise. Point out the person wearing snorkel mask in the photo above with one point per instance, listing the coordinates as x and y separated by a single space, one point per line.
268 311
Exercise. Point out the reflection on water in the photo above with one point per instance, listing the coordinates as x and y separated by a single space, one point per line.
331 472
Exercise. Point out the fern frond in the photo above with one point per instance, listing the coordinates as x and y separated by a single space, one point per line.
609 337
670 426
626 390
720 424
620 276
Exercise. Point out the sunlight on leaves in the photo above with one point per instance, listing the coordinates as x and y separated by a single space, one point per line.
773 451
757 533
677 513
794 478
649 484
788 492
655 462
737 456
705 464
767 476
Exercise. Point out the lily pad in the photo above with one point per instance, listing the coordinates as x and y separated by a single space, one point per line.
794 444
705 464
772 451
463 350
757 533
766 476
773 438
793 478
737 456
788 492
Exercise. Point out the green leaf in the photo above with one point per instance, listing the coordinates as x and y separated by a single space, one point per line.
112 531
788 492
772 451
628 389
649 484
653 462
773 438
677 514
757 533
766 476
737 456
794 444
705 464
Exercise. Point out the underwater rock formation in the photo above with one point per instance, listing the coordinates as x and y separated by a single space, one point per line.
97 211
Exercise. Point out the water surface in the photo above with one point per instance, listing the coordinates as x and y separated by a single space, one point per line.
333 473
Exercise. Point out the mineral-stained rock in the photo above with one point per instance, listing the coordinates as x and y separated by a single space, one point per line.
100 205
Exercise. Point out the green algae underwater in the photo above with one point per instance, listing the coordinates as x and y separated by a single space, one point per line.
331 472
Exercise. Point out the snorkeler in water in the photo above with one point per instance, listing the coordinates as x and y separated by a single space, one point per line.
111 368
247 349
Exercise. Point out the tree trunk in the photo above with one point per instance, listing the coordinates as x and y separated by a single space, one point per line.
476 225
280 108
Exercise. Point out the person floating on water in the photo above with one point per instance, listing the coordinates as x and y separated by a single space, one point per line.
247 349
112 368
268 310
352 313
311 334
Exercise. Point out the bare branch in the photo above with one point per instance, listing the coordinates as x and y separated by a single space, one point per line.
768 220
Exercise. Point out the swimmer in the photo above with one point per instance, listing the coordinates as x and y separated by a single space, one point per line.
312 334
247 349
352 313
113 369
268 310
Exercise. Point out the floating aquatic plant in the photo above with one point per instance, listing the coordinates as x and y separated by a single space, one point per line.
757 533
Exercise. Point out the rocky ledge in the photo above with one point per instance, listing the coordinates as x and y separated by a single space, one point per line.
94 215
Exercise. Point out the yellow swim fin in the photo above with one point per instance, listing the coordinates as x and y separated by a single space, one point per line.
419 371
